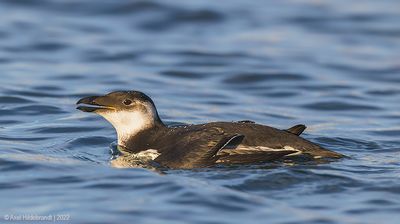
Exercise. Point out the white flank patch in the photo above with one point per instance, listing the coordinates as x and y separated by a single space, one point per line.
241 149
140 159
265 148
292 149
150 154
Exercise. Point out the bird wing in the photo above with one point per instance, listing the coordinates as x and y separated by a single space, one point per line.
197 148
208 146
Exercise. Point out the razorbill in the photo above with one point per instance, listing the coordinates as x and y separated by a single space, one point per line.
141 132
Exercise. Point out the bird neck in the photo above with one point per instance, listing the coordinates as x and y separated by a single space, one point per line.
142 139
129 130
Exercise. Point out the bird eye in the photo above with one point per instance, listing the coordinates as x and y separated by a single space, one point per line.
127 102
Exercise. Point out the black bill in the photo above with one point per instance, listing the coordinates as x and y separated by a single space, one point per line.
88 104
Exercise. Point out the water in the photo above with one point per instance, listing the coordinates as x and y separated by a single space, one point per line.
333 65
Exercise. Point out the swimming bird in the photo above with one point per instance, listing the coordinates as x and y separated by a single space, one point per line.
140 131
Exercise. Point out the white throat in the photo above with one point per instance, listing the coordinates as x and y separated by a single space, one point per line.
128 123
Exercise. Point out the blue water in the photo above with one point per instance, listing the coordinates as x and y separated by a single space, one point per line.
332 65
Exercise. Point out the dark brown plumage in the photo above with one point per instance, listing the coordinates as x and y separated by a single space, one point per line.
203 145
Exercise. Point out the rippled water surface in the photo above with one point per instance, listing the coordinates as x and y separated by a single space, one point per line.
333 65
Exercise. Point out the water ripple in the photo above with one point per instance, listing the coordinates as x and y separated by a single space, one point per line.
255 78
58 130
91 141
7 165
184 74
13 100
339 106
180 17
34 110
100 56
